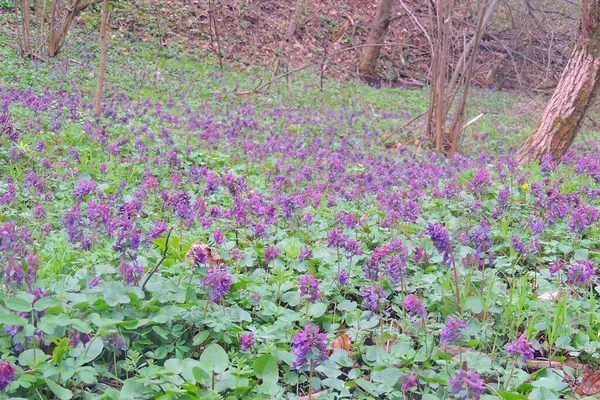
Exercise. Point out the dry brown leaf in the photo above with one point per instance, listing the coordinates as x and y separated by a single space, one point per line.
194 255
535 365
343 342
549 296
590 385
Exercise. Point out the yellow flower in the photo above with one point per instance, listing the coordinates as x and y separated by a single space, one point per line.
525 186
251 191
360 165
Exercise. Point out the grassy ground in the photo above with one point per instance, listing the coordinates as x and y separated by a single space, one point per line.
335 265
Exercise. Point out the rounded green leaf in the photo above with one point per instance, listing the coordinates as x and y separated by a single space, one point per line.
214 359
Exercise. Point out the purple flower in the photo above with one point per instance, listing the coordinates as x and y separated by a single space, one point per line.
466 385
218 236
521 347
420 254
409 382
305 253
307 219
309 287
441 241
439 237
452 330
334 238
480 182
77 337
414 306
518 245
557 265
92 283
115 341
247 341
39 212
131 272
271 253
73 220
309 347
342 277
159 228
580 273
371 297
40 146
582 218
547 164
219 281
7 374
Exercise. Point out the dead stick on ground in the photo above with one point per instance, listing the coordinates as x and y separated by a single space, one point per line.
164 257
259 88
403 126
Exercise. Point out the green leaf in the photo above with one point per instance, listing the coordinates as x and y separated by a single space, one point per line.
316 310
32 357
291 298
581 254
265 368
44 303
474 304
347 306
214 358
367 386
59 391
388 376
115 293
511 396
18 304
11 319
238 314
90 352
200 338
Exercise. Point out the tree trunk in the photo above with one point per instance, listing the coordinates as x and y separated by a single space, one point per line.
298 10
58 28
26 11
379 28
572 97
103 51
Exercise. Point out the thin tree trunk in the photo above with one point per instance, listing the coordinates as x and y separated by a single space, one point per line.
58 29
379 28
103 51
298 10
575 92
26 11
213 23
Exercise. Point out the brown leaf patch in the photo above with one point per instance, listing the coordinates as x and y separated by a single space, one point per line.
195 253
590 385
343 342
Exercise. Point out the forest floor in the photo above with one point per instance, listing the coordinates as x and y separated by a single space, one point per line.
194 243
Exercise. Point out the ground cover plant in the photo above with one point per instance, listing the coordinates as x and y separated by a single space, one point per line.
196 244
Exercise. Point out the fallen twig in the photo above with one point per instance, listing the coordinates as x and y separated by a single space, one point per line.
403 126
164 257
259 88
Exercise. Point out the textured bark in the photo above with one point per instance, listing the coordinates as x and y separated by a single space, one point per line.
26 11
103 51
572 97
60 28
379 28
298 10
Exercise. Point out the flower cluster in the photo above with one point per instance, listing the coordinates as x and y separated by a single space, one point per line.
466 385
7 374
309 347
218 281
452 330
309 288
521 347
